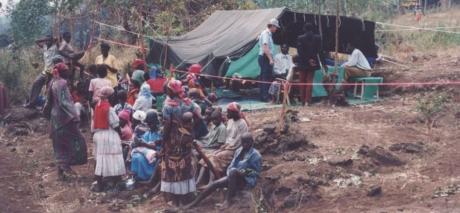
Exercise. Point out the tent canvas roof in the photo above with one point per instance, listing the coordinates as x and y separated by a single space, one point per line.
233 33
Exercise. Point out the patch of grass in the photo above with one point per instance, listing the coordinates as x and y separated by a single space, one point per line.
431 106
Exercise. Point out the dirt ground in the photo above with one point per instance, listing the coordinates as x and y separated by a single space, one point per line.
368 158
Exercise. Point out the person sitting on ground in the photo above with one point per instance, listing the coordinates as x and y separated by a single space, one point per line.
96 85
122 103
145 151
242 172
144 101
107 143
200 129
111 62
48 45
217 133
357 64
196 96
236 127
139 125
192 80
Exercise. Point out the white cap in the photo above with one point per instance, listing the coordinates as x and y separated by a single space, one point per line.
139 115
274 22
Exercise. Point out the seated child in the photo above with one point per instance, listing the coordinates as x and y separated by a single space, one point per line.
122 102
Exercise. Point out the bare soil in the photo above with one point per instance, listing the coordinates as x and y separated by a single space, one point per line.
332 159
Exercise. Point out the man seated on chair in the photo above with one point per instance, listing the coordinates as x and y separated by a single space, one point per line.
357 64
242 173
283 63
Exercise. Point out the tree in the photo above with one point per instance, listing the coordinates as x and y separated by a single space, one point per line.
29 20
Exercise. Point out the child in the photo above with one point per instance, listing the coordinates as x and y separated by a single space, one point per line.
125 125
123 105
126 131
107 142
144 154
133 92
98 83
274 90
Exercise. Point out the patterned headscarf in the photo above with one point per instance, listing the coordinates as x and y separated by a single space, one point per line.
59 68
176 87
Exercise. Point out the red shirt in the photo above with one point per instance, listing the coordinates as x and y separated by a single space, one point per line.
156 85
101 115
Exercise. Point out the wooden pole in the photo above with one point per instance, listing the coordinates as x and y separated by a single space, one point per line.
337 26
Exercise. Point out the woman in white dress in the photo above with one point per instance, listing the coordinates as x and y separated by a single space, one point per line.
107 143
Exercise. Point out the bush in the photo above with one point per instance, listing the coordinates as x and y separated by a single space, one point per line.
17 72
431 106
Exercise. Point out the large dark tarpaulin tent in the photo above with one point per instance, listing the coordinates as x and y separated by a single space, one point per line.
231 34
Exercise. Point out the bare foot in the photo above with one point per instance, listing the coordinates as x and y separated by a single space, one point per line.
223 205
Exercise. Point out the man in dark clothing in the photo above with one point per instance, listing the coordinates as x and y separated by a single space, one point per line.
309 50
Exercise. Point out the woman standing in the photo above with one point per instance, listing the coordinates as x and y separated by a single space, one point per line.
178 163
107 143
68 143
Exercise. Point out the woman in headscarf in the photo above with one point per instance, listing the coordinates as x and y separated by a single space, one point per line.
107 143
144 101
68 143
144 155
178 162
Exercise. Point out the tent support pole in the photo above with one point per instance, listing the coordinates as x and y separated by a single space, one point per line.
337 23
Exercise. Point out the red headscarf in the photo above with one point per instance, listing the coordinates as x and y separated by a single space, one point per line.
235 107
138 62
195 69
125 115
59 68
176 87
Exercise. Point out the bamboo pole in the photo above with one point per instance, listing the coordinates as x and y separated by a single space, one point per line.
337 23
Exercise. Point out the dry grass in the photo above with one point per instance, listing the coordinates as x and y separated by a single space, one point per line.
405 42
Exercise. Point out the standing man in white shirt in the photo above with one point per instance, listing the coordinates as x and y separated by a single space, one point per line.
266 61
357 65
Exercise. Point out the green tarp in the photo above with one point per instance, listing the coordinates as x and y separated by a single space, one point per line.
248 67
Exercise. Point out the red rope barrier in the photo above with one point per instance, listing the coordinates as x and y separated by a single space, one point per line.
401 84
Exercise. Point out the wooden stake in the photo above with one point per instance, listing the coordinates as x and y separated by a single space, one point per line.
337 23
282 123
